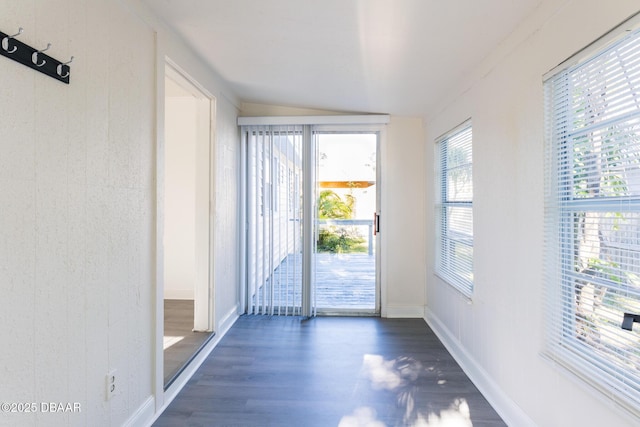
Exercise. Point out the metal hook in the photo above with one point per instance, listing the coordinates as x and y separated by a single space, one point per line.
5 41
34 56
60 68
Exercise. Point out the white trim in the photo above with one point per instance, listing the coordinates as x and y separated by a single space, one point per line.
158 314
142 414
314 120
510 412
228 320
404 312
180 76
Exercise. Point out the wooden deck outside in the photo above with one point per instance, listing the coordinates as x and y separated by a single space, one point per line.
343 281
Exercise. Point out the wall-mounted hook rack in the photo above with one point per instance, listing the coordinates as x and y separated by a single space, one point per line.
14 49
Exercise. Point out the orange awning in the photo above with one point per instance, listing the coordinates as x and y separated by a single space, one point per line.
346 184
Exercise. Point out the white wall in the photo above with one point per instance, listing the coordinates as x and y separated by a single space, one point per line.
180 197
498 335
76 223
78 229
402 216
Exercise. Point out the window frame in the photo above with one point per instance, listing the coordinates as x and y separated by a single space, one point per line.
446 266
564 204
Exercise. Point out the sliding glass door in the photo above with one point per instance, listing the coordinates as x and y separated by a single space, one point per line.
310 198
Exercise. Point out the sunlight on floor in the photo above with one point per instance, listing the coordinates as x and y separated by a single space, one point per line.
168 341
390 374
399 376
361 417
457 415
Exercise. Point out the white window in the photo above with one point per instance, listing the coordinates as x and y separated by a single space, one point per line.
592 217
454 208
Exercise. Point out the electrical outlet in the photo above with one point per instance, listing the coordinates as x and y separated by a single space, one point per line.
111 384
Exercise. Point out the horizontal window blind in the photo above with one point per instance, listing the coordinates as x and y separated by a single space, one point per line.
592 218
454 209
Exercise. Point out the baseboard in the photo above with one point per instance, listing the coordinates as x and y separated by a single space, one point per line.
404 311
143 414
510 412
228 320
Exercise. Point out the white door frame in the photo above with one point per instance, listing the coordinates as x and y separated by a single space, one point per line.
203 168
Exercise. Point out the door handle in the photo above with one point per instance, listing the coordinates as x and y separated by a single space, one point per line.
376 223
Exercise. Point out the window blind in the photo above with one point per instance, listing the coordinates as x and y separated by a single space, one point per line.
454 208
592 218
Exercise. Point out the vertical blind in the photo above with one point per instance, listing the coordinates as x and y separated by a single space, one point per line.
454 208
274 219
592 218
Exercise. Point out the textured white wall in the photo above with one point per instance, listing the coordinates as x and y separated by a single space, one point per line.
225 230
78 211
498 336
76 222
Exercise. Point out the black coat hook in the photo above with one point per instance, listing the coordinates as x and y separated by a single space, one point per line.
34 56
64 66
36 59
5 41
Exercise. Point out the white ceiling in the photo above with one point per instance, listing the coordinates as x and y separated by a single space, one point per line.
379 56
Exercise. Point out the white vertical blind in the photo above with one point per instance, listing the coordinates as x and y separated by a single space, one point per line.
592 218
274 167
454 208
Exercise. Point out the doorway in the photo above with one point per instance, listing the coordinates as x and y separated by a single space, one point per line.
186 238
311 207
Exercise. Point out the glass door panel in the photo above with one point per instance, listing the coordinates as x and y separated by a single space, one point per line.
346 200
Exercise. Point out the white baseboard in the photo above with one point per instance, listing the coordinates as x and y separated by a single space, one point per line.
404 312
228 320
143 414
510 412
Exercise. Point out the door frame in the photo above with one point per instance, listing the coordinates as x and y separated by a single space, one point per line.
203 221
163 394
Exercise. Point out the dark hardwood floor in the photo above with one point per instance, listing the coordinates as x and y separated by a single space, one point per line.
329 371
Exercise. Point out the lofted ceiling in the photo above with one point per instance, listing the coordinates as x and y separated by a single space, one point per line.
379 56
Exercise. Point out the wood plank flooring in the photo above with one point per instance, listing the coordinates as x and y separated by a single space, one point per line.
178 331
329 371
